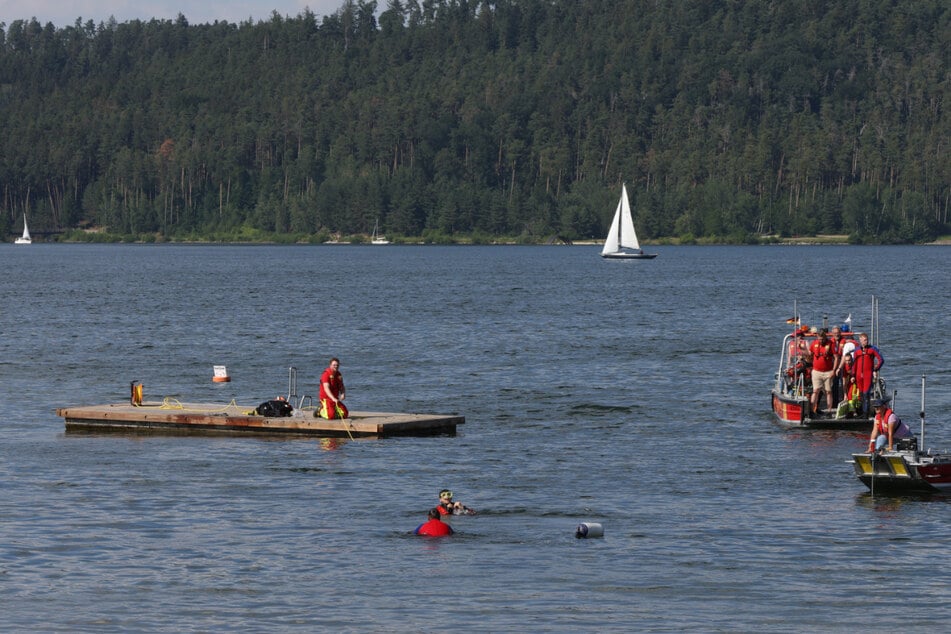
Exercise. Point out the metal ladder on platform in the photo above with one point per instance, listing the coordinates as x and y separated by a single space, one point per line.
292 394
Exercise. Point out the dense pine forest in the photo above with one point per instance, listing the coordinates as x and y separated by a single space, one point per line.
729 120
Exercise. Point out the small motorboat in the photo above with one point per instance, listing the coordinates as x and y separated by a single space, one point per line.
905 469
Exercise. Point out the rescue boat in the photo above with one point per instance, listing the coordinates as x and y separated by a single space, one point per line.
792 390
906 469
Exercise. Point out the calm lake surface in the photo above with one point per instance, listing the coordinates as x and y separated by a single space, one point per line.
634 394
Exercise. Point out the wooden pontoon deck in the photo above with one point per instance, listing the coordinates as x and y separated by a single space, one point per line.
205 418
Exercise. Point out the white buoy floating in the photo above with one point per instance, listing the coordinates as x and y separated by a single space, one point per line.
221 374
589 529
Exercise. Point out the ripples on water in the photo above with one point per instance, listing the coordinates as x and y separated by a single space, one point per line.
634 394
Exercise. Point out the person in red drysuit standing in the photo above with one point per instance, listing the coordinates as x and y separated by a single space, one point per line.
867 363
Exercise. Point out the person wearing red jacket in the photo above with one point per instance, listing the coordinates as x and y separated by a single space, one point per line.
434 526
868 361
332 392
823 363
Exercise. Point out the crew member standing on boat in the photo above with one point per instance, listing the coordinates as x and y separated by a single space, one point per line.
332 392
868 361
887 426
839 341
823 363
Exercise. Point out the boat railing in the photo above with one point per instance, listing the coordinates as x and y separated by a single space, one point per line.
781 381
788 381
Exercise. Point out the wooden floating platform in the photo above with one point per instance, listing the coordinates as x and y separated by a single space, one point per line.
209 418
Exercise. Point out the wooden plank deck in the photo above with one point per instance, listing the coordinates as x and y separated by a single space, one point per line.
210 418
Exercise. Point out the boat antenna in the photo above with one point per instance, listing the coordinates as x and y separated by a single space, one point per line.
921 446
873 335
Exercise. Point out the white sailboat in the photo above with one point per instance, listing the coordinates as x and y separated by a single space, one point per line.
377 237
25 238
622 239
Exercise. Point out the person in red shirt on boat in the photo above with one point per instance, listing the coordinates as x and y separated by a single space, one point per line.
847 370
823 363
868 361
887 426
434 526
844 361
332 392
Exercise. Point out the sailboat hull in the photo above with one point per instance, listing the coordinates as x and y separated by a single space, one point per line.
620 255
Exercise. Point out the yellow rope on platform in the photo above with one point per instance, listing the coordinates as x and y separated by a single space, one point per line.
173 403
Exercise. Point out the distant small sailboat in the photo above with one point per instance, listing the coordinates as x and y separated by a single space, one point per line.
622 236
377 237
25 238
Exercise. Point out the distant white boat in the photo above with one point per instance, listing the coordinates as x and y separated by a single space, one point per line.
377 237
622 239
25 238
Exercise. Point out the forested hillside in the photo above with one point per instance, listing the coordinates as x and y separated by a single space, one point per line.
515 118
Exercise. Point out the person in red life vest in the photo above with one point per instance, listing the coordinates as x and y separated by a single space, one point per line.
434 526
887 426
447 507
844 361
332 392
868 361
823 363
848 373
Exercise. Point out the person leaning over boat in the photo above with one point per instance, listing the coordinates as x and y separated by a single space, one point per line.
868 361
823 363
844 360
332 392
887 426
434 526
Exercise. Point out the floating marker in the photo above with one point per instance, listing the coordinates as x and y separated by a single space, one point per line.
221 374
589 529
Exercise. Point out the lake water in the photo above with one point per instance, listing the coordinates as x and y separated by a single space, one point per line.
634 394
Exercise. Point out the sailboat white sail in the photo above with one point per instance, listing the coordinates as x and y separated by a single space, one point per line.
377 237
621 241
25 238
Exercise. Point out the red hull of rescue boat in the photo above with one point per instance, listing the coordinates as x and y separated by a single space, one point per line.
793 412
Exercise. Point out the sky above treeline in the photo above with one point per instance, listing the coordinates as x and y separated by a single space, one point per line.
63 13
